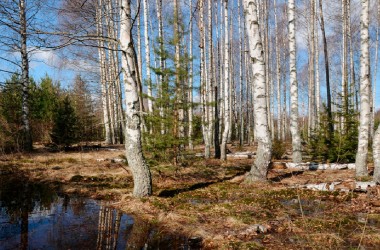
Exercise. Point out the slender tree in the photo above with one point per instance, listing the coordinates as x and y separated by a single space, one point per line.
140 170
226 91
362 153
264 152
296 139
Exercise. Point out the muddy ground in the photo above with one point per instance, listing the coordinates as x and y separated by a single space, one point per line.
208 200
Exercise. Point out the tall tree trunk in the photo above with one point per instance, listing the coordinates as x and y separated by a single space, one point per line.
344 65
296 139
226 92
259 169
327 72
278 74
161 59
102 66
178 81
140 170
317 78
241 117
27 136
203 84
311 123
147 59
352 67
216 94
362 153
211 78
190 91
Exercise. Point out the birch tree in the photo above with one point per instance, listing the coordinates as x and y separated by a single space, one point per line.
362 153
190 90
259 168
147 57
226 92
140 170
296 139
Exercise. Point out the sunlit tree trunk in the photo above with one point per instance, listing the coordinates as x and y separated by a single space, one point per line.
344 64
203 84
362 153
190 91
211 78
278 73
226 96
317 78
296 139
102 67
351 51
147 57
27 136
264 152
311 122
140 170
241 117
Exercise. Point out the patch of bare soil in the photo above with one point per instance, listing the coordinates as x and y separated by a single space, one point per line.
209 200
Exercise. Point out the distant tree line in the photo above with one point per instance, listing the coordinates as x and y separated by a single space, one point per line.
57 116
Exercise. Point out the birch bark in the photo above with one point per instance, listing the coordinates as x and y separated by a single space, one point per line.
226 92
27 143
296 139
264 152
362 153
140 170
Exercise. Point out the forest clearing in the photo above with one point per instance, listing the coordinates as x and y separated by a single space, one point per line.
189 124
208 202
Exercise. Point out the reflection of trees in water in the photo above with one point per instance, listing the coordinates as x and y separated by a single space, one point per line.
108 228
19 198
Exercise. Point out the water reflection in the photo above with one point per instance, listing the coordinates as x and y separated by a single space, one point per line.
34 216
38 216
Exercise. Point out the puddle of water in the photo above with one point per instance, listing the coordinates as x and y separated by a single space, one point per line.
35 216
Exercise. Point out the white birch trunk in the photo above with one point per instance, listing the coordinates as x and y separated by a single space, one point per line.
317 78
241 117
296 139
140 170
102 67
147 58
27 137
203 87
226 91
210 81
190 91
362 153
278 73
264 152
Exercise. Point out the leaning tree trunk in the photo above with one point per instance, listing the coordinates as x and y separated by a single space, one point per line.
362 153
327 72
27 143
140 170
296 139
226 92
264 152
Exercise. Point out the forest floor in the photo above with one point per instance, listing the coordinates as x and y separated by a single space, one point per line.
208 201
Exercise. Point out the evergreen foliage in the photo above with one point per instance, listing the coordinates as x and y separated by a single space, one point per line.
342 146
65 129
164 142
